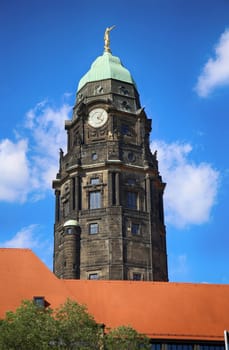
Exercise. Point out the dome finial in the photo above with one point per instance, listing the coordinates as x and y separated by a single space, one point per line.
107 39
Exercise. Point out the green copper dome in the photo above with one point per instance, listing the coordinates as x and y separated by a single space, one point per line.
71 223
106 66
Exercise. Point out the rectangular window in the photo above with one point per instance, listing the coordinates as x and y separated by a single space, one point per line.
135 229
211 347
94 156
94 200
131 181
95 181
156 346
179 346
93 276
137 276
39 301
132 200
93 228
125 130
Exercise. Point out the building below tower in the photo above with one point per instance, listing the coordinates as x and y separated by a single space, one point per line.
175 316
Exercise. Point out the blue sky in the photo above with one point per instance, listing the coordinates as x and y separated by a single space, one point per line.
178 54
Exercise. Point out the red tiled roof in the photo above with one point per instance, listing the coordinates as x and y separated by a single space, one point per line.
23 275
160 310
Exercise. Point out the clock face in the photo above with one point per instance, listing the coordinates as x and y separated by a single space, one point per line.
97 117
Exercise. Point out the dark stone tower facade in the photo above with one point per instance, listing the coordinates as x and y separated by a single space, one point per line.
109 221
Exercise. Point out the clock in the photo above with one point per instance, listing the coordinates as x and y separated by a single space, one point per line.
97 117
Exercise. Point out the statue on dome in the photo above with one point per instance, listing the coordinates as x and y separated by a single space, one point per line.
107 39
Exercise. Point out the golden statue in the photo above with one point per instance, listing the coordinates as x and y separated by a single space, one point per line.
107 39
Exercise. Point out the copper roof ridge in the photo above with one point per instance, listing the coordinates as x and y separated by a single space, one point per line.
172 283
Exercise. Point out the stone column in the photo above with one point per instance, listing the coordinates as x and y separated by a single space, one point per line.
72 194
117 188
68 138
110 189
139 131
148 194
57 208
76 193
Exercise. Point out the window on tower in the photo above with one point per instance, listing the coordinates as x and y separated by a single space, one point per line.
131 200
125 105
131 181
95 181
123 90
94 156
93 228
131 157
125 130
69 230
135 229
94 199
93 276
137 276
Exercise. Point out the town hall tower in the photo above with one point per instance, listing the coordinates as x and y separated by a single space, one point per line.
109 216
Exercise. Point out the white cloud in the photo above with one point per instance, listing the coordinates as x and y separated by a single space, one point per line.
14 174
216 71
191 188
47 133
31 163
47 124
25 238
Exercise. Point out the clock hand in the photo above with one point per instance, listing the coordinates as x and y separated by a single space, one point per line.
100 117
